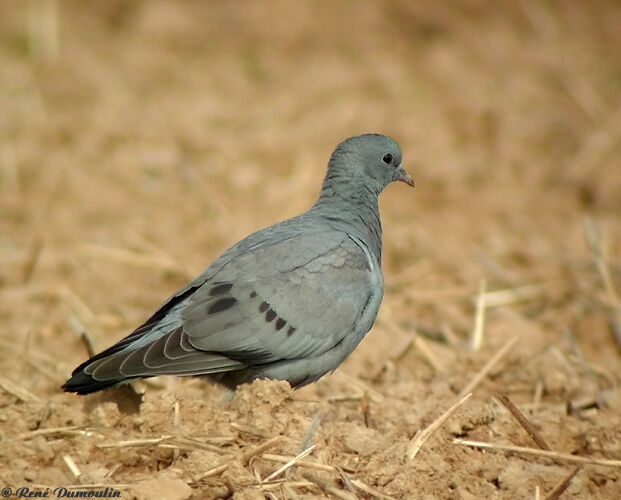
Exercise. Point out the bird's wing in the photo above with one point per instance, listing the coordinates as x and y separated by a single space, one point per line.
296 298
168 317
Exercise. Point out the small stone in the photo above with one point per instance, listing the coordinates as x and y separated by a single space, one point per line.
164 488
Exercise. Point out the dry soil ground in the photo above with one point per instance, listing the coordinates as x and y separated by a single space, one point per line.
139 139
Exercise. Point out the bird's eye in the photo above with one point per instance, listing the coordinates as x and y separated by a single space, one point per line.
387 158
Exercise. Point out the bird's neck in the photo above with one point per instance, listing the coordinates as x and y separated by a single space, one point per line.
353 209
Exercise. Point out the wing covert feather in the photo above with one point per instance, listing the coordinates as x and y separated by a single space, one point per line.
297 298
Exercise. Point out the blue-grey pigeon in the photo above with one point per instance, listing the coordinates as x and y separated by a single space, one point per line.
289 302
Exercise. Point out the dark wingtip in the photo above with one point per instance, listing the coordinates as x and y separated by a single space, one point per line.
82 383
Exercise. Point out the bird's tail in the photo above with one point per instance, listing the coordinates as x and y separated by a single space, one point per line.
170 354
83 383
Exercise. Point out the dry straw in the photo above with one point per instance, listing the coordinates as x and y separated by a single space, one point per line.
421 437
553 455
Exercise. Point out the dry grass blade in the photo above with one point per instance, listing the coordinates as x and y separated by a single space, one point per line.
289 492
68 459
39 356
270 443
554 455
166 441
245 458
282 483
131 258
112 470
131 443
302 463
560 488
212 472
33 260
346 480
87 340
189 443
176 417
512 295
439 294
418 341
289 464
337 398
176 427
494 268
421 436
375 396
139 241
72 430
501 353
251 430
329 487
397 355
402 350
424 348
18 391
370 491
523 421
77 304
479 317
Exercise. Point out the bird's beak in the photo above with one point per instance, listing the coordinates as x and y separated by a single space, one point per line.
404 176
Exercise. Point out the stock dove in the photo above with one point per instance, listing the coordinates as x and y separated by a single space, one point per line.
289 302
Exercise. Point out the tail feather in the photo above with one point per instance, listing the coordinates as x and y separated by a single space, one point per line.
168 355
83 383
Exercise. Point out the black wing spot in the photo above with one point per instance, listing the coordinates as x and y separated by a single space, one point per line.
290 331
264 306
280 323
220 289
221 305
253 294
270 315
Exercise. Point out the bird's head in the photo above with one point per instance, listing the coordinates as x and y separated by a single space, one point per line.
374 159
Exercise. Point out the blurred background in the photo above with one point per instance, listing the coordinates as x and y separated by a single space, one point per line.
139 139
